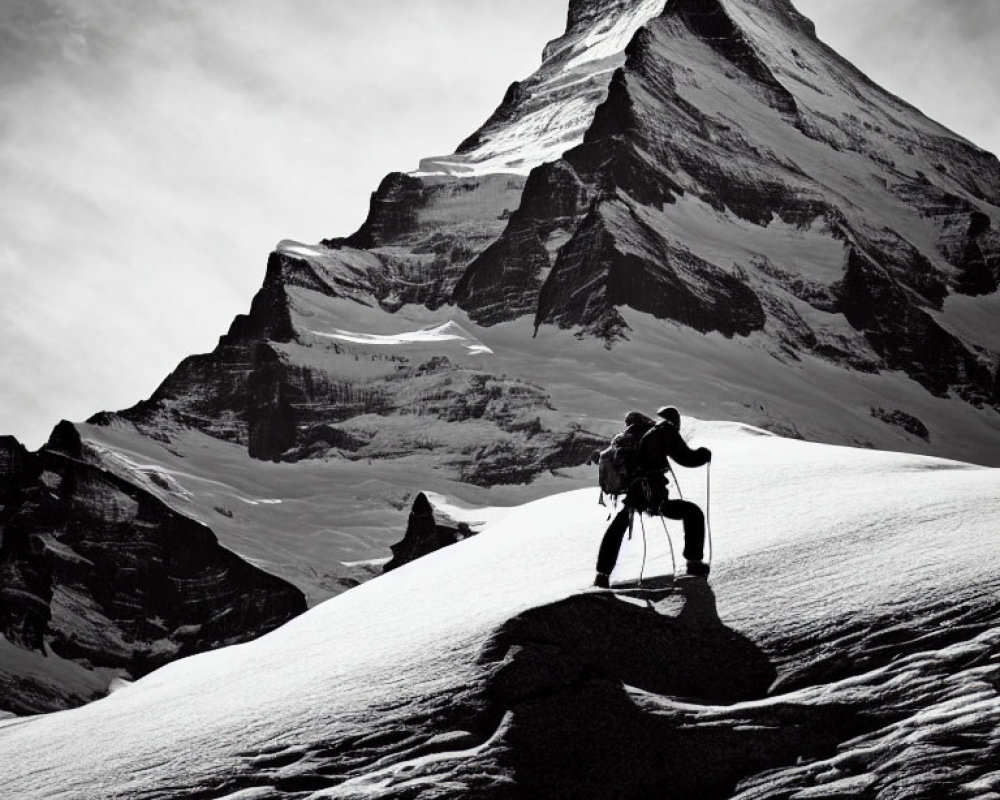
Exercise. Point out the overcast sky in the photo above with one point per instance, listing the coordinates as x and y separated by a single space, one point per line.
153 152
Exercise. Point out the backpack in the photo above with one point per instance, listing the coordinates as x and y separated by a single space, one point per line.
616 465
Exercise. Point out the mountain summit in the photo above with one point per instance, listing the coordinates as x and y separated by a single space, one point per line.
736 178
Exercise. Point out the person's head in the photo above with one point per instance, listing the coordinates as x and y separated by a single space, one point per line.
671 415
633 417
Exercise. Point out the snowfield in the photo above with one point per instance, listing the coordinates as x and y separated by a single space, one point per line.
847 643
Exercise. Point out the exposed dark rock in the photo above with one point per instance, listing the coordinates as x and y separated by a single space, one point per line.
320 439
554 197
250 393
519 460
65 439
513 97
610 165
618 114
423 534
616 259
504 281
906 337
270 416
97 571
908 266
816 294
709 21
269 316
103 419
13 455
582 13
980 268
393 211
901 419
502 284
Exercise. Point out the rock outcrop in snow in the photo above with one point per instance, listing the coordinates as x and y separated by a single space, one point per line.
424 534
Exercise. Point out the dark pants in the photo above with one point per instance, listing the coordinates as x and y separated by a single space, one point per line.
689 513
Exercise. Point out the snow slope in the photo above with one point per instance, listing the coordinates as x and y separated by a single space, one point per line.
864 581
310 522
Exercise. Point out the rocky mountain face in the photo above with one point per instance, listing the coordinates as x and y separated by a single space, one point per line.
707 163
738 177
288 390
100 580
546 114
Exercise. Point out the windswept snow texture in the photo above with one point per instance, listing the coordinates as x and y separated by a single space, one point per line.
860 586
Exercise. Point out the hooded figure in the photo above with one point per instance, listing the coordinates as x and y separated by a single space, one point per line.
649 494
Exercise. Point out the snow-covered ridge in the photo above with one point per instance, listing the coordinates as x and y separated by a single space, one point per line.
606 39
548 113
481 668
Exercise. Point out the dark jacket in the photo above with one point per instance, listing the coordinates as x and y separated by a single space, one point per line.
664 441
660 443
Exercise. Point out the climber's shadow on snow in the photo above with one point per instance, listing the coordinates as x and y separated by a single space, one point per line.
667 640
634 694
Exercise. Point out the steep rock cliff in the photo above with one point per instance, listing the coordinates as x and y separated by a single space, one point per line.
100 579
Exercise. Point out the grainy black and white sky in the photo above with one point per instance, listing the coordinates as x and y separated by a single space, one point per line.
152 153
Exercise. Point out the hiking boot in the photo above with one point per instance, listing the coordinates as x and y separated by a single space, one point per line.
698 568
601 581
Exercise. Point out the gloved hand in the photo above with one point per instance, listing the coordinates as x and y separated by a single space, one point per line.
707 453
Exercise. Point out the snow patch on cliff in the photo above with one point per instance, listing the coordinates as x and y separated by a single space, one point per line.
446 332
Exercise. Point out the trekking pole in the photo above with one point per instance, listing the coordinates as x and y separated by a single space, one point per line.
708 510
670 544
642 569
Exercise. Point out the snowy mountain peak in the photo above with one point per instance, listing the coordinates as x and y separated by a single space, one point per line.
598 29
548 113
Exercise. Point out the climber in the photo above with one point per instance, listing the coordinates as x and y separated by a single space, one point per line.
647 493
